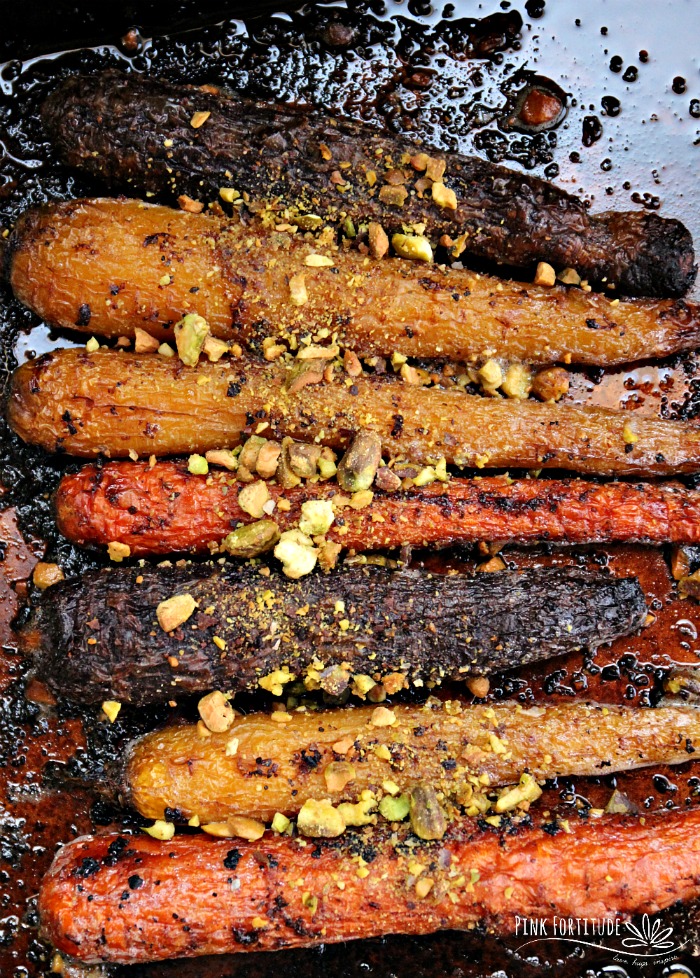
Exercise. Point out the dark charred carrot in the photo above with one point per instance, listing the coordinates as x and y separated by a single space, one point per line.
98 637
129 900
164 509
116 404
110 266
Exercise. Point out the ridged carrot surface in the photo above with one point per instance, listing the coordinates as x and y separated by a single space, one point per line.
119 403
108 266
133 899
165 509
218 776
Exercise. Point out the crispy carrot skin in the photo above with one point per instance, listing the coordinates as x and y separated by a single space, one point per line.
165 509
97 638
99 265
441 745
114 402
132 900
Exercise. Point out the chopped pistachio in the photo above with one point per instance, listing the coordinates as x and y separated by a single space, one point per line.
175 611
118 551
386 479
286 476
394 809
44 575
359 813
629 436
490 374
551 384
190 334
359 465
569 276
166 350
198 119
252 499
394 196
161 830
274 682
620 804
280 823
297 554
316 517
194 822
304 459
427 818
297 289
545 275
111 709
478 686
92 345
314 352
444 196
268 459
246 828
320 820
413 246
383 717
252 540
303 373
327 467
338 774
228 194
214 349
527 790
378 240
223 457
197 465
216 712
144 342
318 261
518 382
435 169
328 554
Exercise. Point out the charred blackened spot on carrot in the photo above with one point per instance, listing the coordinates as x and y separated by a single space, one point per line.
232 858
397 426
309 759
116 851
88 867
409 332
135 882
234 389
151 430
115 289
244 938
68 420
161 236
194 290
84 315
34 386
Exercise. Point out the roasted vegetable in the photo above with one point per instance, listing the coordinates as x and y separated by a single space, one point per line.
120 403
100 637
110 266
111 898
137 133
340 753
163 509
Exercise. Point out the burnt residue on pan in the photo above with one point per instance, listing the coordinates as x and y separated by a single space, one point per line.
603 99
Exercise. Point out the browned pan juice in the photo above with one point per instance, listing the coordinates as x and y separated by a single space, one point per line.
456 75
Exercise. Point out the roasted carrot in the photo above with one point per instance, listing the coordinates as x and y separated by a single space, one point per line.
99 637
120 403
122 899
109 266
165 509
338 754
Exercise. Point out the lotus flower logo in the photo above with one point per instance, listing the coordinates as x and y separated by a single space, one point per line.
649 936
